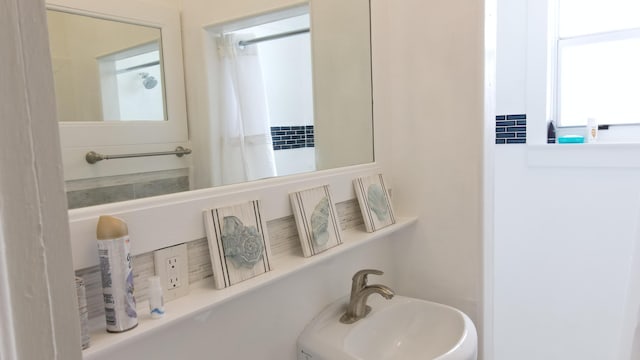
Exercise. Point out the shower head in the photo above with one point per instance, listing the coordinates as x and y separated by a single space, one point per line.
148 81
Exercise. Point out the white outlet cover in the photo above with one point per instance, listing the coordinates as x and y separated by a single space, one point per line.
161 258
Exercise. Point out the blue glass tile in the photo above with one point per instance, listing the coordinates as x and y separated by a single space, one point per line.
501 129
286 137
310 136
281 133
300 132
516 141
500 117
291 142
285 128
309 126
521 122
286 147
517 117
275 128
521 135
296 146
501 141
275 147
505 123
301 141
295 137
517 128
276 138
279 142
506 135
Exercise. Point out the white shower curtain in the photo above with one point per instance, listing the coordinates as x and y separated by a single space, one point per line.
247 149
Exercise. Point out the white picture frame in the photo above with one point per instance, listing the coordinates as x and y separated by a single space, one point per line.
374 201
316 219
238 243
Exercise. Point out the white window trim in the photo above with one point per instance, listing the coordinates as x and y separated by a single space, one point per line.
540 80
538 107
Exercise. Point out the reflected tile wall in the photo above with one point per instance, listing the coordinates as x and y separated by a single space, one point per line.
104 190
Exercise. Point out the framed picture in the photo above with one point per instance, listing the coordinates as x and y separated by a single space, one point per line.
374 201
238 243
316 219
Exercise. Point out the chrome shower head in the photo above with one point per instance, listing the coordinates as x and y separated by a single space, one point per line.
148 81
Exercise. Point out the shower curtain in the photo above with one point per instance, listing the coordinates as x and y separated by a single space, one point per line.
247 149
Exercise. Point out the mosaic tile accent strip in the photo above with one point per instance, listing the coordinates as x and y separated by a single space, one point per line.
108 189
283 235
199 260
292 137
511 129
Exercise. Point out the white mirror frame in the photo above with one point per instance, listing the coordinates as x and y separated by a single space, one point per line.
77 138
174 218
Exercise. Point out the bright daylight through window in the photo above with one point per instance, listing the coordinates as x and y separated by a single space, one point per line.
598 62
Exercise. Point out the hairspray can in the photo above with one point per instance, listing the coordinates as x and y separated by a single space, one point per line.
117 274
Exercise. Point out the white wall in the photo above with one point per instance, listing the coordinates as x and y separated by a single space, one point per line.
563 247
511 61
295 161
431 95
430 108
564 234
265 323
429 85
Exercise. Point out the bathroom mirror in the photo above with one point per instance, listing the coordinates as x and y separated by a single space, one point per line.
105 70
341 127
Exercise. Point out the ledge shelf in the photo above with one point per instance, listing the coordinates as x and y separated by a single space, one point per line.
203 296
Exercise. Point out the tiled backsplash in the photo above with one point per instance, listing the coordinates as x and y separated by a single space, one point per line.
283 237
108 189
292 137
511 129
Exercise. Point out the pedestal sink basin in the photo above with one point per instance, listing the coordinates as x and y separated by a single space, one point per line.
399 328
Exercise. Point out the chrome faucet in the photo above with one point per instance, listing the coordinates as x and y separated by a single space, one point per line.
360 291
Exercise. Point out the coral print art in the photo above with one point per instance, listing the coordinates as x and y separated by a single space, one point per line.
374 201
316 219
238 243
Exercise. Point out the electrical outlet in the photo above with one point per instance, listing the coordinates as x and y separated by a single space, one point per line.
172 266
173 272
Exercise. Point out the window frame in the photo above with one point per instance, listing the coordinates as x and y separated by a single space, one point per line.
556 50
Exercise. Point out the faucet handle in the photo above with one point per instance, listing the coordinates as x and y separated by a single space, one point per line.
359 279
362 274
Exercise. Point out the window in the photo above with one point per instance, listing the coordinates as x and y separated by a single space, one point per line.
597 68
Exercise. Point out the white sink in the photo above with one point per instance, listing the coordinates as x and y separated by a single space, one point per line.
400 328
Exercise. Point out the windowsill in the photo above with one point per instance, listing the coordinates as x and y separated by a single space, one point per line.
603 155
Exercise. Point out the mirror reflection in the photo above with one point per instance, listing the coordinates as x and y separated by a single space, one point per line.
105 70
267 100
275 94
